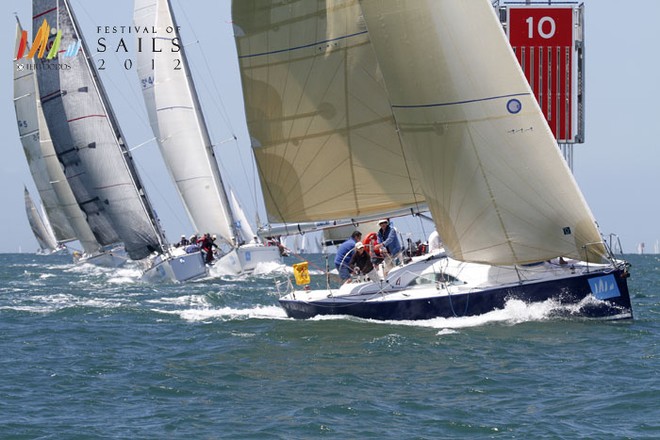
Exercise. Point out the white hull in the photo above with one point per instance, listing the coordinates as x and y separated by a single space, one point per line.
176 268
246 258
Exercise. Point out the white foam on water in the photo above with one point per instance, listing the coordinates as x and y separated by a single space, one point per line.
88 269
125 275
185 300
269 267
264 268
219 270
45 304
227 313
514 312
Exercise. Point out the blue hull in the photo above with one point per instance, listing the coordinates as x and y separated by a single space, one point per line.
614 300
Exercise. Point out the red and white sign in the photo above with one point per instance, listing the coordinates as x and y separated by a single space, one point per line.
543 40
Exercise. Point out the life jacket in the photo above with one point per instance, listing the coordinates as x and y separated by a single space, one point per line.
369 242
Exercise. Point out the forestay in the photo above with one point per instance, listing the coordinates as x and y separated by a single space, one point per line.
494 180
322 128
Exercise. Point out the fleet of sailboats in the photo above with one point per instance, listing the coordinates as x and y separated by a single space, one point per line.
96 160
177 121
61 208
349 115
348 120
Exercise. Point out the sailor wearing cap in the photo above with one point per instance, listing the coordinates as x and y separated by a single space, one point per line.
361 262
388 241
183 242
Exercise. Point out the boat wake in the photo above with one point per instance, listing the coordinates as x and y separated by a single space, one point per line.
196 314
515 312
218 270
46 304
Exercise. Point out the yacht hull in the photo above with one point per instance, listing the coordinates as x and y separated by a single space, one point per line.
246 258
176 269
597 294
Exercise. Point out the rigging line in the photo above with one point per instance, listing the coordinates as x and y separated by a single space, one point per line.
208 69
405 161
142 144
224 171
156 187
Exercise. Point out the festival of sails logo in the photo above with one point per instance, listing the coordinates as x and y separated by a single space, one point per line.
40 49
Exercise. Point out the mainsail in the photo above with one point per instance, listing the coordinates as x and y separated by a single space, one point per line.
33 136
89 144
318 113
44 237
30 114
494 180
177 121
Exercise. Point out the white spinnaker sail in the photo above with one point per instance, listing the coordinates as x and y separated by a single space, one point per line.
494 179
321 125
53 170
44 237
25 105
177 121
89 144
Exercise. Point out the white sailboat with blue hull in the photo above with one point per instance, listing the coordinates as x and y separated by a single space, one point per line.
513 220
177 121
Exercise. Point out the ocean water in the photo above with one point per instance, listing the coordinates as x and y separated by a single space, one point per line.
90 353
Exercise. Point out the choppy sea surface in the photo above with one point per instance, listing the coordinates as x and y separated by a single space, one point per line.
91 353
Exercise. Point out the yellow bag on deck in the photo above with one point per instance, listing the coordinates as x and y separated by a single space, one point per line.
301 272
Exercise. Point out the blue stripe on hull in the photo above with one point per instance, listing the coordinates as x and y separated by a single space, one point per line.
567 291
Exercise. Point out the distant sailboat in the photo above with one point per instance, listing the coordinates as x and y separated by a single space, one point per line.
176 118
474 146
44 235
96 160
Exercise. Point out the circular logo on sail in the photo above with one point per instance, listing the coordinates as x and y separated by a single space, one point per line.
513 106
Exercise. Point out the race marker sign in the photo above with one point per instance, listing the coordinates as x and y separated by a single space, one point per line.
543 40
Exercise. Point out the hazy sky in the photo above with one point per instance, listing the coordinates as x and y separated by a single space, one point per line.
617 168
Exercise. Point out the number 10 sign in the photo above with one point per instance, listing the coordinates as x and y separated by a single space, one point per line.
543 39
